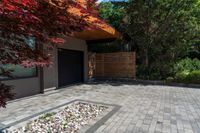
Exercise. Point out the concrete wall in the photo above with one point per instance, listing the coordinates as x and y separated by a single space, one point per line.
51 73
24 87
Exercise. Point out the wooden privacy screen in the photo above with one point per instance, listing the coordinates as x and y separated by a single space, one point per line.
112 65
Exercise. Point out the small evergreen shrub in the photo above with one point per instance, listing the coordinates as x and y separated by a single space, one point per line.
186 77
193 77
170 79
186 71
181 76
186 64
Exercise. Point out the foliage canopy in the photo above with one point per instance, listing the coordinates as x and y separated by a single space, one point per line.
48 21
162 31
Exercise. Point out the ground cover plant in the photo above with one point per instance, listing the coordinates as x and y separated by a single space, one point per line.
186 71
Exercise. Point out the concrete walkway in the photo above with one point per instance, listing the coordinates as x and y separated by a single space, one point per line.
145 109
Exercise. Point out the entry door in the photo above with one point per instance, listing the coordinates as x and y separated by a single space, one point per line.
70 67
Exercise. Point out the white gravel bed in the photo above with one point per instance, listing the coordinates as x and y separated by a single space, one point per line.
68 120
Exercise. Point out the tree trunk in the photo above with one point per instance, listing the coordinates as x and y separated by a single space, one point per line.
145 58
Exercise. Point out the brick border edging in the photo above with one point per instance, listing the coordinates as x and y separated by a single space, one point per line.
146 82
101 122
92 129
34 115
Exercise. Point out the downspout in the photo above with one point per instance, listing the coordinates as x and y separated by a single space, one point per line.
41 74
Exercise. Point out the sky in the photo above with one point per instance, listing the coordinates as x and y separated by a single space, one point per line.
108 0
100 0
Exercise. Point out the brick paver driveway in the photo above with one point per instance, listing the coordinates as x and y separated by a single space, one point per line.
145 109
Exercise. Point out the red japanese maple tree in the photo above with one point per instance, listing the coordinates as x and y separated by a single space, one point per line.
45 20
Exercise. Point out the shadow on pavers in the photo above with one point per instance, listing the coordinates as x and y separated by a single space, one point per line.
128 81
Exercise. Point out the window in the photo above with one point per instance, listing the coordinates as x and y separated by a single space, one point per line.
19 71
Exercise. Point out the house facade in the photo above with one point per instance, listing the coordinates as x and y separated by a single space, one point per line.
70 62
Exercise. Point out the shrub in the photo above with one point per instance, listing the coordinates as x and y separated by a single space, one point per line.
181 76
186 64
193 77
170 79
5 94
152 72
187 77
186 71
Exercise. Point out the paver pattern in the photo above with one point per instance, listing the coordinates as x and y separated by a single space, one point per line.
145 109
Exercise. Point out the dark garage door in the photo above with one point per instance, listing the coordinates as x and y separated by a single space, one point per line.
70 67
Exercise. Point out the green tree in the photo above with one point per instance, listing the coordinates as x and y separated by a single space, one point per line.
112 13
162 31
